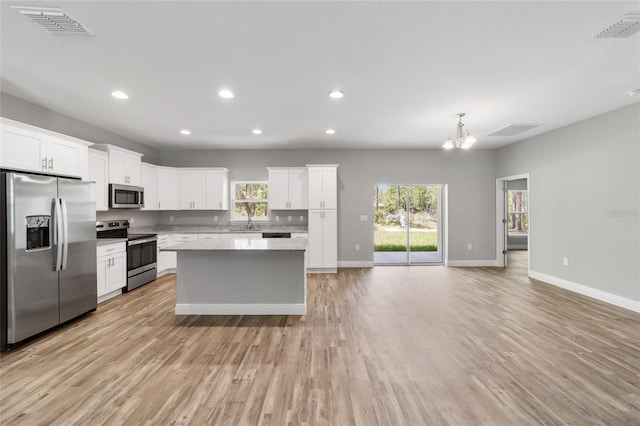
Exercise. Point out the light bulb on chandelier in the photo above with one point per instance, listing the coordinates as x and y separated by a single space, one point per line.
463 140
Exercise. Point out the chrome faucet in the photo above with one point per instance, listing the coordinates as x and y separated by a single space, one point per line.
249 223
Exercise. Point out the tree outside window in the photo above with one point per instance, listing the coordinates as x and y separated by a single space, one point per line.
518 212
250 199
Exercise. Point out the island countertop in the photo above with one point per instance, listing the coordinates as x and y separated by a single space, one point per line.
241 244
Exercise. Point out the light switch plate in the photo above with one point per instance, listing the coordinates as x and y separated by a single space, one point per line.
363 217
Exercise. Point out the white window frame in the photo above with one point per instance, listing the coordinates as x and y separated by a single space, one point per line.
244 219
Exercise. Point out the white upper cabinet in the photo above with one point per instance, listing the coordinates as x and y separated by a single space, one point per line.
167 188
124 165
192 189
288 188
29 148
149 179
99 173
323 186
217 187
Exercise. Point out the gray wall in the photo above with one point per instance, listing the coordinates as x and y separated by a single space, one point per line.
26 112
470 176
584 192
517 241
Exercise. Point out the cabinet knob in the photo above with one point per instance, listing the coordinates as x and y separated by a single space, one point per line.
44 163
51 164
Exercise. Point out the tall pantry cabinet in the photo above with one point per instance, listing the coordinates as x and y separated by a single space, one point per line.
323 217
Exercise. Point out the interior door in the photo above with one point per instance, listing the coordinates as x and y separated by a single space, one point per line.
505 220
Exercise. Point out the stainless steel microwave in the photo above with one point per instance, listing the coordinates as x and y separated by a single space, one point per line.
125 196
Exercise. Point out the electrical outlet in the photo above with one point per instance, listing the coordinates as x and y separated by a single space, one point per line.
469 246
565 261
357 246
290 218
215 218
132 220
170 218
277 218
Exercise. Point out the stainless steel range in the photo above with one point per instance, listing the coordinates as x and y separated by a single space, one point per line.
141 252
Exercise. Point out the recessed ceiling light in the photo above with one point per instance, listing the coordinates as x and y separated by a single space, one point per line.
336 94
118 94
330 131
256 131
226 94
185 132
633 92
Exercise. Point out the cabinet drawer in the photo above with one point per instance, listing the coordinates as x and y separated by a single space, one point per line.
208 236
183 238
109 249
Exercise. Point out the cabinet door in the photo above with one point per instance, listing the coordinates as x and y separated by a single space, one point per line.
329 188
99 173
117 173
278 189
315 249
191 189
298 189
330 239
117 272
315 188
102 274
217 187
149 180
132 168
66 158
167 189
22 149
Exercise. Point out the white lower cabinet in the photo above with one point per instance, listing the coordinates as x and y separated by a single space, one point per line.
166 260
111 270
323 240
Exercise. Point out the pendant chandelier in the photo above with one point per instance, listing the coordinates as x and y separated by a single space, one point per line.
462 140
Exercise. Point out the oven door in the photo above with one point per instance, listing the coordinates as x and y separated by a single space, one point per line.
125 196
141 256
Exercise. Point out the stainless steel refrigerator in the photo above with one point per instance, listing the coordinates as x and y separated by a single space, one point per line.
48 238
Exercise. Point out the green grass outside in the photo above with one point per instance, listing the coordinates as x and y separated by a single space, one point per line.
397 241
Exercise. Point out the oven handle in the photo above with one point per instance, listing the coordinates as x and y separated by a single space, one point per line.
142 241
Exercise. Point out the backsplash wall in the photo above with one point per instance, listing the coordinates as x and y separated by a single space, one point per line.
183 217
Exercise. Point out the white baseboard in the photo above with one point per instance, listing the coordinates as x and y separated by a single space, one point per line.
240 309
109 295
471 263
322 270
355 264
517 247
603 296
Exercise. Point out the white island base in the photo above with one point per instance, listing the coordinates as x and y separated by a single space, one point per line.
241 277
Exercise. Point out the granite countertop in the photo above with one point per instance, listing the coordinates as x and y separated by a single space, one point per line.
215 229
105 241
241 244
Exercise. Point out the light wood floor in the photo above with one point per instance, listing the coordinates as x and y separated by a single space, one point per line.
387 345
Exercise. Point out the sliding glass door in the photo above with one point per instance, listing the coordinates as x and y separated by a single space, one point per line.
407 224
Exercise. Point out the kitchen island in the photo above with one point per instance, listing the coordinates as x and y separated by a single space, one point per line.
241 276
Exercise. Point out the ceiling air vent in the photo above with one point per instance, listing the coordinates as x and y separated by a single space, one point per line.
515 129
55 21
625 26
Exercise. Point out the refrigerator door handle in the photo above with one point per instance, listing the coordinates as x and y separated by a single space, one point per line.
65 234
57 233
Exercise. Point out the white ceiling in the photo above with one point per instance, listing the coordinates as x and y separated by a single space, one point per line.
406 69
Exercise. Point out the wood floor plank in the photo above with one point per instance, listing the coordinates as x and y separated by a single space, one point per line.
383 345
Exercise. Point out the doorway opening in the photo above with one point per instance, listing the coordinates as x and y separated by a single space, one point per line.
513 221
407 224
